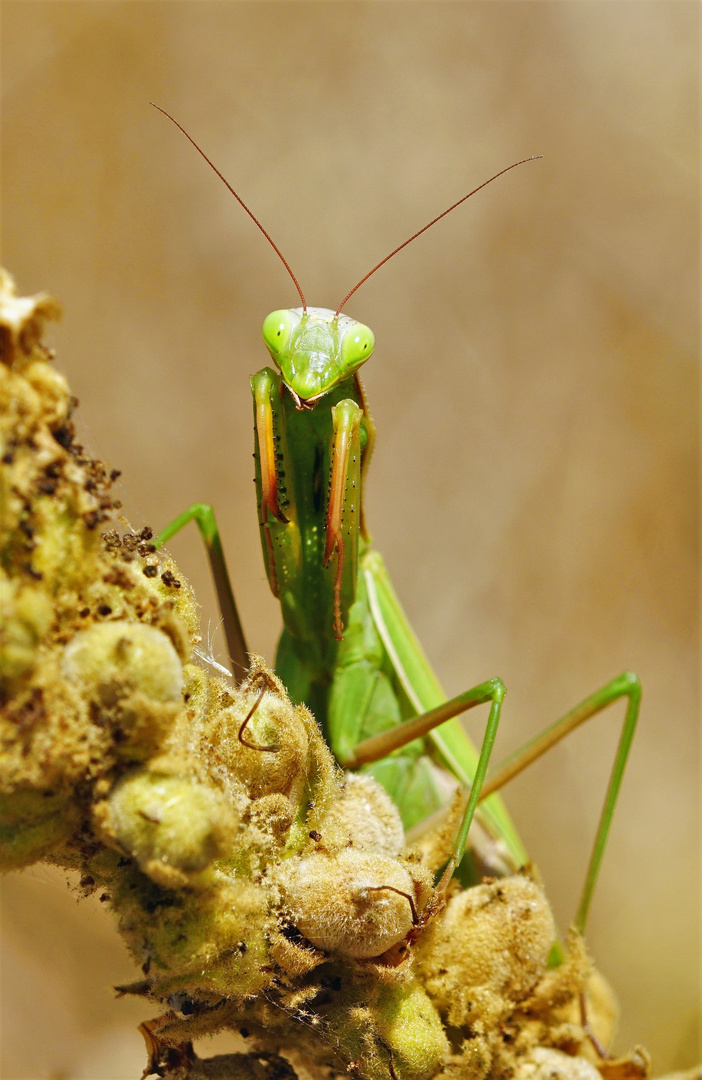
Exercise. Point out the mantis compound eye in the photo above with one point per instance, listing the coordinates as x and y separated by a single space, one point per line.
356 347
277 330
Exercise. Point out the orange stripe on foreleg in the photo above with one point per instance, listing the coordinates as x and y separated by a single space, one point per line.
266 448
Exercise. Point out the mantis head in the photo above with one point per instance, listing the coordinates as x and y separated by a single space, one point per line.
315 348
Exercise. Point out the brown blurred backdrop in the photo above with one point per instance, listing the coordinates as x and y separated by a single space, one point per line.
534 388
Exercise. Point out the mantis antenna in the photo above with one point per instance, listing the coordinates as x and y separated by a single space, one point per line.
534 157
239 200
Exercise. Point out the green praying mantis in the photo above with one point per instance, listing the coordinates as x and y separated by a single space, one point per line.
347 650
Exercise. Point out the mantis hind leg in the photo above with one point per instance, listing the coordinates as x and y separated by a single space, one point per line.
378 746
203 515
422 689
626 685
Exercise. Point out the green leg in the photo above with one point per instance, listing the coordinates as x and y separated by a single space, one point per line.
626 685
203 515
380 745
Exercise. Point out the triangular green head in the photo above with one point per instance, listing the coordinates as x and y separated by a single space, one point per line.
315 349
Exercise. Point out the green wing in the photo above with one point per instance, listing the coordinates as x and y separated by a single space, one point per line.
423 690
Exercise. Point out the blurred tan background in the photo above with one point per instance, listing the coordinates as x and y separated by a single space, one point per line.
534 388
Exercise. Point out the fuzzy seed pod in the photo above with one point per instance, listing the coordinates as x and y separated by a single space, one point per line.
545 1064
132 678
488 948
354 903
366 813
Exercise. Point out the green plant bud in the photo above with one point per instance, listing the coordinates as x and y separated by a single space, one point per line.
352 903
367 815
208 943
173 826
489 946
396 1033
112 659
410 1027
32 823
27 614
